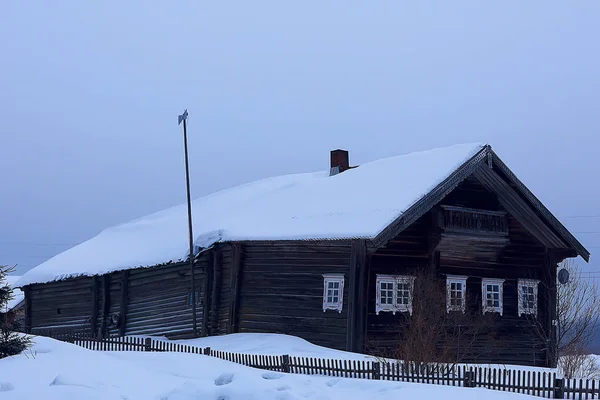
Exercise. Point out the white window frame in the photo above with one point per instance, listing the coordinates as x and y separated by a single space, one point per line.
456 279
484 292
339 278
394 280
529 283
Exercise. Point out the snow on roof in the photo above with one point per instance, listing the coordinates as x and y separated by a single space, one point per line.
18 294
358 203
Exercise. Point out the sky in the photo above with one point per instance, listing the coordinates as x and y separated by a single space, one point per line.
90 93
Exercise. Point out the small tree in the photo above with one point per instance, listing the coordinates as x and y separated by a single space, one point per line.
11 342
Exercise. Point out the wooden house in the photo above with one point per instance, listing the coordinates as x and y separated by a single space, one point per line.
327 257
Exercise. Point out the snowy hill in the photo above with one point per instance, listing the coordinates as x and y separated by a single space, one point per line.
55 370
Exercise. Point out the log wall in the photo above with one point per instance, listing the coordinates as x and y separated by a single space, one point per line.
281 290
147 301
61 304
516 340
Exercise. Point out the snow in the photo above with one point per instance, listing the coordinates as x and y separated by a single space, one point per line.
358 203
269 344
18 294
276 344
54 370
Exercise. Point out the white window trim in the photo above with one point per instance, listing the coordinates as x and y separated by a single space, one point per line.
492 281
333 305
530 283
394 307
456 279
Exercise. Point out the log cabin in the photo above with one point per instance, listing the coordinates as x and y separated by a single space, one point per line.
326 256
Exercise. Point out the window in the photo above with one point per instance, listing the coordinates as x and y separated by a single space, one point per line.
455 293
491 290
394 293
333 292
528 293
190 298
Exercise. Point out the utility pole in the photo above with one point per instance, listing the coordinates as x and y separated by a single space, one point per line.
180 118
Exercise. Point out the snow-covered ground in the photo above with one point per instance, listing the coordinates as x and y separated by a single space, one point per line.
269 344
277 344
56 370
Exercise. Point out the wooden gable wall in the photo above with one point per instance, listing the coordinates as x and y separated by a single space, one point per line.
516 340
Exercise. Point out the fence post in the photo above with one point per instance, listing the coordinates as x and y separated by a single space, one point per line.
559 388
375 370
206 351
469 379
148 344
285 363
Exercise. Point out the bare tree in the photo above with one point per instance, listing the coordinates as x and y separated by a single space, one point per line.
577 317
578 310
433 337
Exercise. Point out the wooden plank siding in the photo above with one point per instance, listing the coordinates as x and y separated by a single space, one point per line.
160 300
515 339
61 304
148 301
222 296
282 290
402 254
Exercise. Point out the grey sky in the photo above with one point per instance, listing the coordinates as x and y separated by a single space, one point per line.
90 92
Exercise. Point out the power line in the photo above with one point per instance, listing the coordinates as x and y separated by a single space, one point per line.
580 216
39 244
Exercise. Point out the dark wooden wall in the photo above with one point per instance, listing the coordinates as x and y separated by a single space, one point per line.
221 289
281 290
61 304
158 301
401 255
516 339
150 301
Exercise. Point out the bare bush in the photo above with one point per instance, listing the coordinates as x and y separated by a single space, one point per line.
579 365
578 311
432 337
577 317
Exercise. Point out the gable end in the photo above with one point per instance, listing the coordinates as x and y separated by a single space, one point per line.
436 195
485 166
544 212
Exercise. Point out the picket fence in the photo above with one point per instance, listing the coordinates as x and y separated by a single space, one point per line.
536 383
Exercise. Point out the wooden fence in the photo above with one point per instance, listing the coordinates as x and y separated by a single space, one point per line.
536 383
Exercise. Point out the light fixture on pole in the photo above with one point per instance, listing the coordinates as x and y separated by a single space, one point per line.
183 118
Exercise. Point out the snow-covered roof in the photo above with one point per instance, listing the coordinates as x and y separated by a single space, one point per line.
357 203
18 294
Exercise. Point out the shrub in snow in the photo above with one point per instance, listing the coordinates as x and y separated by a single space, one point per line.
579 365
11 342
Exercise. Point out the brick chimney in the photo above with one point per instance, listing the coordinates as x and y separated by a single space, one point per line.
339 161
